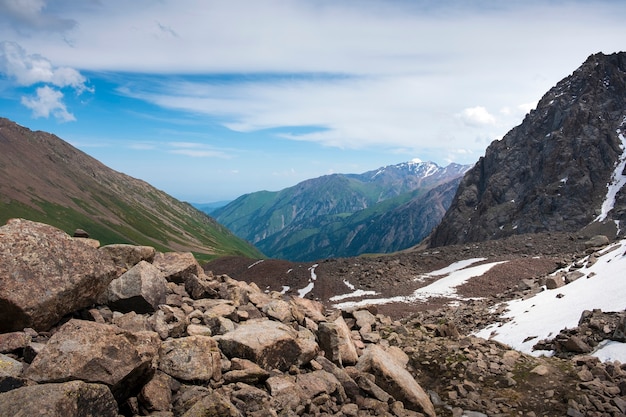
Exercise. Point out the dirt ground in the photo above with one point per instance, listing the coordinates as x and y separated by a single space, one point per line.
400 274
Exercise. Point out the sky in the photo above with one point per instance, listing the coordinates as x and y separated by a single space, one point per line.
208 100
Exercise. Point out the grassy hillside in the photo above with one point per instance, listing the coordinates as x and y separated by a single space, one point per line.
43 178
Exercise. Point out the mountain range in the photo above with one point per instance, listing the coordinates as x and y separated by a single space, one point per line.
44 178
338 215
514 305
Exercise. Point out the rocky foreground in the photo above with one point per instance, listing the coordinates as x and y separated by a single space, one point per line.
124 330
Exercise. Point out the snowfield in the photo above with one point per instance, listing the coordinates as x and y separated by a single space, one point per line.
544 315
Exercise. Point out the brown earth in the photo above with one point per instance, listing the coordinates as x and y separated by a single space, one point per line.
527 256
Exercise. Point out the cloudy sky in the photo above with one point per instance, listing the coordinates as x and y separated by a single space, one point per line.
211 99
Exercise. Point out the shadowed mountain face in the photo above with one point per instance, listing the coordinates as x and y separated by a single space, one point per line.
45 179
551 172
340 215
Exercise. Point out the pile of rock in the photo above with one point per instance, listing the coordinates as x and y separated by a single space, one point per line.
125 330
594 327
471 376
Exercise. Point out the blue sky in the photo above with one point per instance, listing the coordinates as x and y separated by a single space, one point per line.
208 100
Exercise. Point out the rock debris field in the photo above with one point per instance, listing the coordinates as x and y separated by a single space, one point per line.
124 330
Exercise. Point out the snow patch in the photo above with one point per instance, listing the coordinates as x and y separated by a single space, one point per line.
452 276
304 291
618 179
544 315
354 294
256 263
347 284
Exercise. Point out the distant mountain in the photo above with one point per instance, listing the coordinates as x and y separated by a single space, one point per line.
209 208
383 210
43 178
562 169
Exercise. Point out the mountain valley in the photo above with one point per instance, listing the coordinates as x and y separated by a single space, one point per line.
339 215
513 305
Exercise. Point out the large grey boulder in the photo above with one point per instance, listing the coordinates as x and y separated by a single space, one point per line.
141 289
69 399
46 274
99 353
268 343
395 379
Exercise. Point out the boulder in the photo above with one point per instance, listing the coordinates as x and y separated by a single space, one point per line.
69 399
13 341
597 241
126 256
553 282
279 310
311 309
319 382
336 342
270 344
46 274
213 405
243 370
9 367
192 358
201 286
156 395
99 353
350 387
177 267
395 380
365 320
141 289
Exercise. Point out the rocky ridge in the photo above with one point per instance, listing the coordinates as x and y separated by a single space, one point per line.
552 172
165 338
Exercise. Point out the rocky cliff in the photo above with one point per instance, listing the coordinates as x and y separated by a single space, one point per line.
560 170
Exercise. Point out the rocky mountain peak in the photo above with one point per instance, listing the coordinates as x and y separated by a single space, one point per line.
557 171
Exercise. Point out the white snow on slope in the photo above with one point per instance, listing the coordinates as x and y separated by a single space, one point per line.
304 291
544 315
444 287
353 294
618 179
454 267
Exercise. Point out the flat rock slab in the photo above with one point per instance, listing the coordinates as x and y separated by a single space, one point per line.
192 358
46 274
70 399
98 353
270 344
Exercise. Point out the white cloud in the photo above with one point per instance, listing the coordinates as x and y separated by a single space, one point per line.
402 70
32 15
197 150
28 69
48 101
477 116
